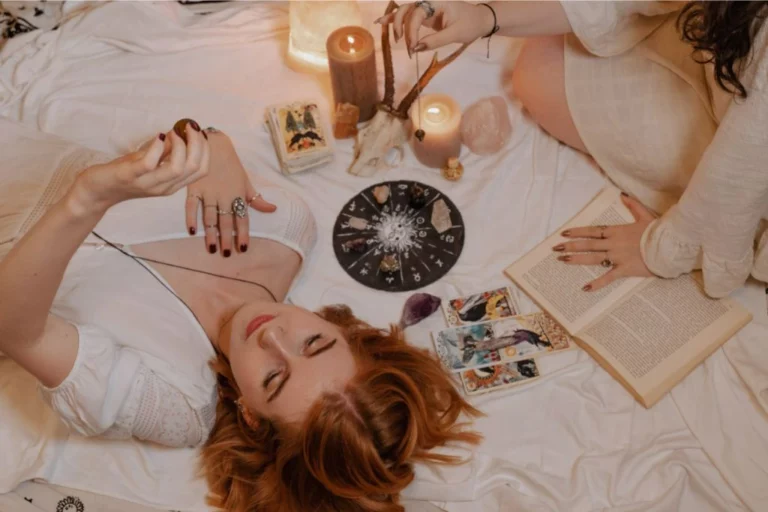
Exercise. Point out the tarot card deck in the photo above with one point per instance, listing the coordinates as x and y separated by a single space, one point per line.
299 134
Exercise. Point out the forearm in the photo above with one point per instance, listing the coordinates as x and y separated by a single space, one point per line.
32 271
525 19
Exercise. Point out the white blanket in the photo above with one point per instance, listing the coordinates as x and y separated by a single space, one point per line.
573 441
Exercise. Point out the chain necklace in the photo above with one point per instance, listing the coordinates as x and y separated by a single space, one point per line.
139 259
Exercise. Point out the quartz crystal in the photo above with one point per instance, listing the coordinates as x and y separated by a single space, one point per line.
381 193
418 307
485 126
441 216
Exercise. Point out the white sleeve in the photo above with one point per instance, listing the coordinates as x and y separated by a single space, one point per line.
109 392
611 28
715 224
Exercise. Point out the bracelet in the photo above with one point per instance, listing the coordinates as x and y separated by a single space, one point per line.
495 28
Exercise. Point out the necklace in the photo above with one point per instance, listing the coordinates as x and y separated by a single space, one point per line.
420 132
139 259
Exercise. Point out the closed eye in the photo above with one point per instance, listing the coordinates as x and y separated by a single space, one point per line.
310 341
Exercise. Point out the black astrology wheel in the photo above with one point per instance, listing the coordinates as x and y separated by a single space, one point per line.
398 236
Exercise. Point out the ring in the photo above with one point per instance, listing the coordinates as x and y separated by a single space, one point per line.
223 212
602 231
207 226
239 207
254 198
607 263
427 6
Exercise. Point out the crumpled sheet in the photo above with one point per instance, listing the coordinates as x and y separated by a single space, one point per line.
573 441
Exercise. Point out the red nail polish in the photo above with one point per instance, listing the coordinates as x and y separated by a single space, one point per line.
161 137
566 232
205 135
191 231
624 194
227 253
243 248
195 126
559 248
212 248
587 287
564 258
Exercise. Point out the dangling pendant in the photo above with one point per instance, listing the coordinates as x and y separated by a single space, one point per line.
419 133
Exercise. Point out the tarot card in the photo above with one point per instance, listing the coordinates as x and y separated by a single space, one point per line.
500 376
502 341
548 331
301 129
479 307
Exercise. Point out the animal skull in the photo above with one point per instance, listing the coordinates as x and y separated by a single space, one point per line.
383 133
389 128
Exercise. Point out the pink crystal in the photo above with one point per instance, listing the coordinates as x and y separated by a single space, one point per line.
485 126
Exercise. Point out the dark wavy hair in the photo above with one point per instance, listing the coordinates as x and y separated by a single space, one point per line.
723 33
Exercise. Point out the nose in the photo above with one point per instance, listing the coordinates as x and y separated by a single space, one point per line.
271 339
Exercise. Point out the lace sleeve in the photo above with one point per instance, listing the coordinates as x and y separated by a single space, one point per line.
111 393
156 411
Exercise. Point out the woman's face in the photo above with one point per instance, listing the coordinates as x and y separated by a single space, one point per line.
284 358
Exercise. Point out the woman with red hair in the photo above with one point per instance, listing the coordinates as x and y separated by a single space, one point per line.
133 331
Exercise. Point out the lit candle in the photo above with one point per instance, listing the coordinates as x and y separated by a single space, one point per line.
440 119
352 63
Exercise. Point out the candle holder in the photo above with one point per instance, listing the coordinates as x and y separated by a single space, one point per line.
439 116
352 64
311 22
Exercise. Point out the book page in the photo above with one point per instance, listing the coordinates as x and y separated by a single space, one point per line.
658 334
556 286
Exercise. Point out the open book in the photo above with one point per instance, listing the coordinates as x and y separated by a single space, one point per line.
648 333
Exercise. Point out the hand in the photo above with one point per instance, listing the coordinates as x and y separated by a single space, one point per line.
160 167
454 22
619 245
217 192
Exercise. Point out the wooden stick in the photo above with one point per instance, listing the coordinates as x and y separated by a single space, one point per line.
434 67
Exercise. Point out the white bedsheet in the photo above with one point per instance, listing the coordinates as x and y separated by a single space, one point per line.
574 441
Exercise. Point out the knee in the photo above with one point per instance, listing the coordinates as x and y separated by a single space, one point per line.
538 71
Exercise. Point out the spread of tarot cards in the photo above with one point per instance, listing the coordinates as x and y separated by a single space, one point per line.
398 236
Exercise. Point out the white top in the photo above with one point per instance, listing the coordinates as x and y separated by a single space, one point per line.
142 364
660 127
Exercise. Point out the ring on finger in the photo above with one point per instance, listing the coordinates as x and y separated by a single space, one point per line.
606 263
602 231
210 226
254 198
224 212
427 6
239 207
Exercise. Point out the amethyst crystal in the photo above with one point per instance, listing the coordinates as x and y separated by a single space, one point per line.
418 307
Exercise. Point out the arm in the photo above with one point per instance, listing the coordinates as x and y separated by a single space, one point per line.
31 273
713 226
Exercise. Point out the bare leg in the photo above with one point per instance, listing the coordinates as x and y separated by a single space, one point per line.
538 81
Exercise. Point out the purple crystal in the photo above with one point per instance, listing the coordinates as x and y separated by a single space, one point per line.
418 307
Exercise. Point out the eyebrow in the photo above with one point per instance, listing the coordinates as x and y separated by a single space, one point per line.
285 380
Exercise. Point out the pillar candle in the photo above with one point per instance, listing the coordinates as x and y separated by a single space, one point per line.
441 120
352 65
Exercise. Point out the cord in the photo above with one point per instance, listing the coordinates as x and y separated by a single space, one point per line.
495 28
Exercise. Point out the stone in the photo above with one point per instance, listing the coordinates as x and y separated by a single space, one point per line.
358 223
453 170
357 245
181 128
389 264
441 216
417 196
485 126
420 135
418 307
381 193
345 121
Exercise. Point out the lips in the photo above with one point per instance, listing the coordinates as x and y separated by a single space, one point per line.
256 323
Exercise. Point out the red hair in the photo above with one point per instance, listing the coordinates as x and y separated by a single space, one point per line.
355 449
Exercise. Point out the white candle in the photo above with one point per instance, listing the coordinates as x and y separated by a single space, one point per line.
441 120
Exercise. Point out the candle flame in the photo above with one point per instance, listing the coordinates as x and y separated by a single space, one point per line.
351 39
433 110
